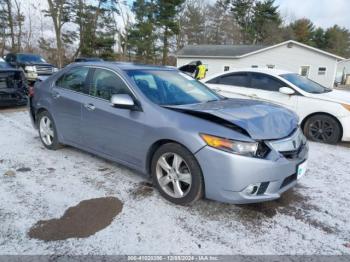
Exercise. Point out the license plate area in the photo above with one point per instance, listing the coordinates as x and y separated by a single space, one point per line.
301 170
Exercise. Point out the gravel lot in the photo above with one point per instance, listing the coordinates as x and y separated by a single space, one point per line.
312 218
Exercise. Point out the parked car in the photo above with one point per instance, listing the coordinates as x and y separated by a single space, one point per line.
162 122
13 87
33 65
88 59
324 113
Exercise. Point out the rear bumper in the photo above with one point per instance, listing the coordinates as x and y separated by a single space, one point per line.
345 122
227 175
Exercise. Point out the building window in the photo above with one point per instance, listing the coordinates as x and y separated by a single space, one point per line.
226 68
270 66
305 70
254 66
322 71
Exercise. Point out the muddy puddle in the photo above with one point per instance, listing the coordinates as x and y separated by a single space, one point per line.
80 221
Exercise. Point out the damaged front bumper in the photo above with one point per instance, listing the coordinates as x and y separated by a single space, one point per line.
13 97
239 179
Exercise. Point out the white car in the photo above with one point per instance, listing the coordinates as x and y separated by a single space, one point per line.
324 113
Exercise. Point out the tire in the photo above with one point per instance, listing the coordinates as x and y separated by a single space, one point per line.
48 130
185 174
323 129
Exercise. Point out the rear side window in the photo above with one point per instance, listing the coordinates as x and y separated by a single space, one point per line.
266 82
238 79
106 83
74 79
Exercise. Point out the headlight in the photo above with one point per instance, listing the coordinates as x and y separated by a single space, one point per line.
30 69
235 147
54 69
347 107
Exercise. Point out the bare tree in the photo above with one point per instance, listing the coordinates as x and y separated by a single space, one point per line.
60 12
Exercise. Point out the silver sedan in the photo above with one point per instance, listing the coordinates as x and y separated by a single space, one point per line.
191 141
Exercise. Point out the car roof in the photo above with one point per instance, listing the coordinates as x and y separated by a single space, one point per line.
273 72
127 65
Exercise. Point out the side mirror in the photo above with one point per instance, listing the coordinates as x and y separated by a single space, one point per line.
287 91
123 101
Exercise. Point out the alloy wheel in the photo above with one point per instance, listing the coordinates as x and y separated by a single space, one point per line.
46 130
321 130
173 175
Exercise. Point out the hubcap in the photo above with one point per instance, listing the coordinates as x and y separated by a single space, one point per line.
46 130
173 175
321 130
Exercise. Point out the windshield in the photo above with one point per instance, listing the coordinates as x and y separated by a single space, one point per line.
30 58
171 87
3 64
305 84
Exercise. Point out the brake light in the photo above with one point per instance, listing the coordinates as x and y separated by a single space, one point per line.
31 91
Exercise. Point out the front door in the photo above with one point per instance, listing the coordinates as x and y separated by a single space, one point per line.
266 88
111 131
67 97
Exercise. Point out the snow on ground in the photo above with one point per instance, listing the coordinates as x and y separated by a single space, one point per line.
312 218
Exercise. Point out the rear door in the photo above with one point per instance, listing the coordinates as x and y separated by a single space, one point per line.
68 94
234 85
266 88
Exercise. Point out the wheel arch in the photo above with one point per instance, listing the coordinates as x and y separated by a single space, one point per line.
303 122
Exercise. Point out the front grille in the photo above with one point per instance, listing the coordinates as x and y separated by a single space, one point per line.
44 69
3 83
289 180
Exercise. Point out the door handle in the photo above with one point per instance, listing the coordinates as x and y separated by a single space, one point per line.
90 107
254 96
56 95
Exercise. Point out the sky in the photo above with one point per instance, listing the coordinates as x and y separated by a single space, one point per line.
323 13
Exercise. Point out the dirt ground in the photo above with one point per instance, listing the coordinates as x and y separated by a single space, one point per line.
70 202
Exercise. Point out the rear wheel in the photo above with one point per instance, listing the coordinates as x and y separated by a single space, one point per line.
177 174
47 131
323 128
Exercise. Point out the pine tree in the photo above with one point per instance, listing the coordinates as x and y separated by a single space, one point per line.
142 36
167 22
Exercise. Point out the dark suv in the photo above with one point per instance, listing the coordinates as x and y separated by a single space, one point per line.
33 65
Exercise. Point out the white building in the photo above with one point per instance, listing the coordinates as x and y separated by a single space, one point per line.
293 56
343 72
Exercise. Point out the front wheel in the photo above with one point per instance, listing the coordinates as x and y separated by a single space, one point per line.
47 131
177 174
323 128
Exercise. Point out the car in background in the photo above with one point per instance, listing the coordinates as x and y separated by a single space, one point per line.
324 113
87 59
159 121
13 86
33 65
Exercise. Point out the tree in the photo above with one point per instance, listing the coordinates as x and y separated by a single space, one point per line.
96 26
192 22
338 41
243 11
167 22
142 36
60 12
303 30
266 22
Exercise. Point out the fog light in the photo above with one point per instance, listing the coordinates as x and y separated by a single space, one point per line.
252 189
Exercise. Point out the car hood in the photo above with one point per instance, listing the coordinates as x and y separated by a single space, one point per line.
262 121
337 96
